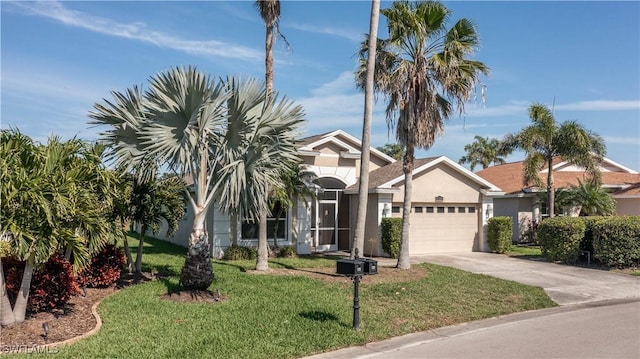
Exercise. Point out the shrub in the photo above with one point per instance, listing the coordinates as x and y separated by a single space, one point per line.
499 234
390 233
236 253
586 244
616 241
104 269
287 252
52 285
560 238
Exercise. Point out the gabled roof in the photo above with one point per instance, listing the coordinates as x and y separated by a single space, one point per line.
510 176
392 175
632 190
349 143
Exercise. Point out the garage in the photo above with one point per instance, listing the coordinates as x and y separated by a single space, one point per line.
443 228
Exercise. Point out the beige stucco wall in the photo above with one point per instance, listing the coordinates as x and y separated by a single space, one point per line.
441 181
628 206
519 209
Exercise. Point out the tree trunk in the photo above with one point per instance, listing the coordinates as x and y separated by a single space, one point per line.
138 266
363 186
551 195
127 252
20 308
262 262
6 313
197 272
268 59
67 254
404 261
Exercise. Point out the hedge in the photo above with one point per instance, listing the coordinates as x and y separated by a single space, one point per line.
390 233
560 238
616 241
499 234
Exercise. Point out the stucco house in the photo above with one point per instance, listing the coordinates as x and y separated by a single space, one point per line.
450 204
521 201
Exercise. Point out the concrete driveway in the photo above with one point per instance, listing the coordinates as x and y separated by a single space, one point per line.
565 284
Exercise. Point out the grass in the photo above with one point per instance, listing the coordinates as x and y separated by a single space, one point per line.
276 316
525 251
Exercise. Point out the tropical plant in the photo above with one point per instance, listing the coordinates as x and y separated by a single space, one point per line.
154 201
589 197
484 151
296 183
544 140
48 203
424 70
393 150
368 63
226 136
270 14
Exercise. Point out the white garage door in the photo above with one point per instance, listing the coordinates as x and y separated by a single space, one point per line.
443 228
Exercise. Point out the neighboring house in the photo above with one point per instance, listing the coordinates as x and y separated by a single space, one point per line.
522 202
450 204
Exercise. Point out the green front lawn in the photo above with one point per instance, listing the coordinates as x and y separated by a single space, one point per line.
287 316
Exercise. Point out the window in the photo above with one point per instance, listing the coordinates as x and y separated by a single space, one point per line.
395 209
451 209
472 209
418 209
250 229
440 209
429 209
461 209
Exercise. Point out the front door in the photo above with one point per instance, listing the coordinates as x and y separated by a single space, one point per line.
326 231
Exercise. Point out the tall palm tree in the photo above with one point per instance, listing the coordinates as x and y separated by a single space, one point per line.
223 135
270 14
544 140
424 70
363 186
48 203
484 151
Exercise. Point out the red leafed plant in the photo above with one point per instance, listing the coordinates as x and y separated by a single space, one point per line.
105 268
52 285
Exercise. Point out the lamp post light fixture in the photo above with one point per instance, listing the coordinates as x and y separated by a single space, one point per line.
489 211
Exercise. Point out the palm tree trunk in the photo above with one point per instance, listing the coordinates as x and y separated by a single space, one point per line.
551 195
365 155
262 262
20 308
233 227
404 261
6 313
197 272
127 252
138 266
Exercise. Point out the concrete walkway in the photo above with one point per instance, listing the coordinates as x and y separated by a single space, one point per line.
565 284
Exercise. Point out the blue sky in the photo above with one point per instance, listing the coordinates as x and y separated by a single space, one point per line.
59 58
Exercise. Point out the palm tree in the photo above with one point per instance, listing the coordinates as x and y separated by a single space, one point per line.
270 14
484 151
48 204
154 201
363 186
222 135
297 183
592 199
544 140
424 71
393 150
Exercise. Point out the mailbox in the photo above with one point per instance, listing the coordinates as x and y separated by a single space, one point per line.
350 267
370 266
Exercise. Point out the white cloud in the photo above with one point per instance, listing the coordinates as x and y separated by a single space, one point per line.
138 31
600 105
622 140
326 30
